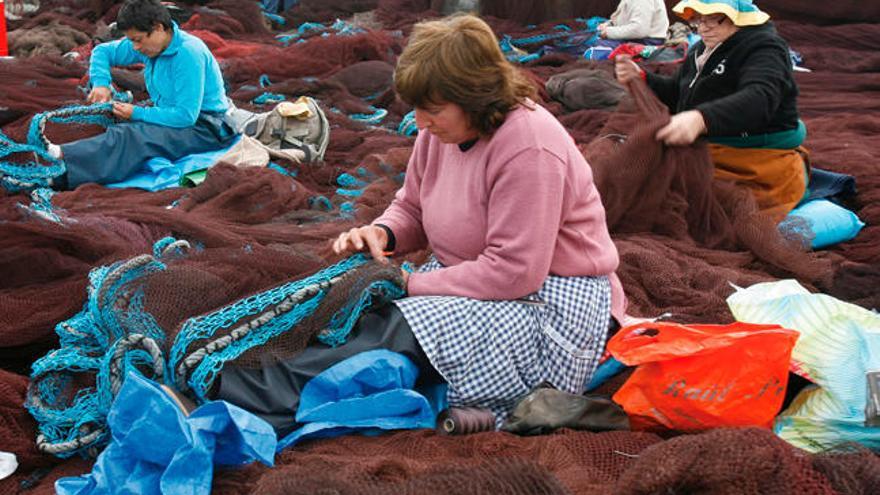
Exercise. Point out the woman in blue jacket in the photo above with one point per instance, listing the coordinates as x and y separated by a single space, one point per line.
185 85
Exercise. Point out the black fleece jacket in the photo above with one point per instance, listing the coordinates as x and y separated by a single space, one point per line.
745 88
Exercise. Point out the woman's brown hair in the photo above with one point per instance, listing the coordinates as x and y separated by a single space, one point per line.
457 60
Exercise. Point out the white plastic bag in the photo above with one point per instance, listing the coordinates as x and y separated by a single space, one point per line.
8 464
838 347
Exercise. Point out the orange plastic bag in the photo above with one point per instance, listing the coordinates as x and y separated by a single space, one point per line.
694 377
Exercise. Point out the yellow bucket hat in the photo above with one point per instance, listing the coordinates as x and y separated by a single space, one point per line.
742 12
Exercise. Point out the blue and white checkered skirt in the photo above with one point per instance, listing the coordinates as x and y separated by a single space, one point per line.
492 353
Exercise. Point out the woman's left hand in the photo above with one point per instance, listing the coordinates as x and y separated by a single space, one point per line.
122 110
683 129
603 33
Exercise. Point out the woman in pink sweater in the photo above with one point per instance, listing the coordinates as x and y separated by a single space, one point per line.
521 285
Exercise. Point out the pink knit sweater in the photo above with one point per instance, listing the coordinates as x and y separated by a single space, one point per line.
504 214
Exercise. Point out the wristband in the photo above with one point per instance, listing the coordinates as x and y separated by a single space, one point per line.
392 241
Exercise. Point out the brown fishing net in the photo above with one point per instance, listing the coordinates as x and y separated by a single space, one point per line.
486 477
231 17
327 10
683 239
704 464
340 298
532 11
319 307
38 85
53 39
365 79
16 424
846 11
734 461
318 57
679 230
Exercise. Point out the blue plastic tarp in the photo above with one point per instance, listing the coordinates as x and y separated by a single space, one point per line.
368 393
156 449
159 173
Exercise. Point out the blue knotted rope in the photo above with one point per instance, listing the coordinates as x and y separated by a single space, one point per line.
338 28
256 320
268 97
408 125
39 171
72 388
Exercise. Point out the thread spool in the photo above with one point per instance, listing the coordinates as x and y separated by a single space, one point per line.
465 420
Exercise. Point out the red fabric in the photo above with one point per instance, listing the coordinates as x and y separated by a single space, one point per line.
632 49
4 43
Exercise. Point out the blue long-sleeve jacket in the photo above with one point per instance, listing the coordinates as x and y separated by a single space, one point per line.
182 81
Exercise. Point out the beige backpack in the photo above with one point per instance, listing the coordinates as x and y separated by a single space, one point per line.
297 130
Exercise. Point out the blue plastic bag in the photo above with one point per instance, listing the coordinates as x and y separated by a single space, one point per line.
157 450
829 223
598 53
604 372
368 392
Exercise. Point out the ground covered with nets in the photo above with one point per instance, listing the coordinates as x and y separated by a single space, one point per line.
683 238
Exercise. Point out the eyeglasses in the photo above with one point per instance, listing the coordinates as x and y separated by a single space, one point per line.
707 21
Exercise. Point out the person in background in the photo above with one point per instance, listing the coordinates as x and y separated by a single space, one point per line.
185 85
636 21
736 87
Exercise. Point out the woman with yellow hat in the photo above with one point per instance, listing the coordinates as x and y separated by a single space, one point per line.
737 88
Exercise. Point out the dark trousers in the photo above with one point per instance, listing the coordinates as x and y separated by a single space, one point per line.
830 185
272 392
120 151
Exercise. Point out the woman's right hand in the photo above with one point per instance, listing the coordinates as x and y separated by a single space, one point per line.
100 94
625 69
369 237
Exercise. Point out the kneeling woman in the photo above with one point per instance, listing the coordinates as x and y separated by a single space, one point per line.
736 87
518 291
519 288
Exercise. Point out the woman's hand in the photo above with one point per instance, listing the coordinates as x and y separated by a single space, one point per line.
625 69
603 30
100 94
369 237
122 110
405 280
683 129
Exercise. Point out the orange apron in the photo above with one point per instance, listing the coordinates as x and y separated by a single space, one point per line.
777 178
